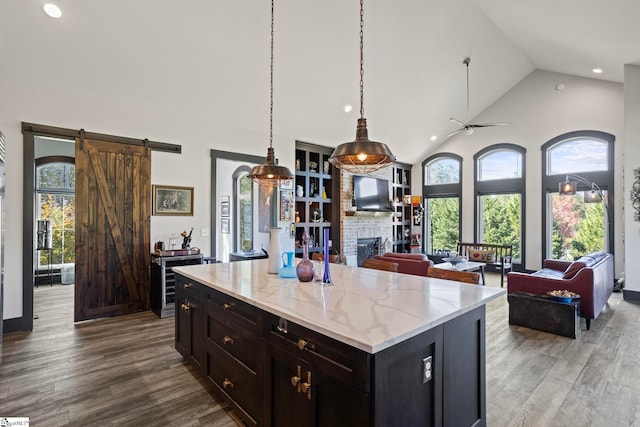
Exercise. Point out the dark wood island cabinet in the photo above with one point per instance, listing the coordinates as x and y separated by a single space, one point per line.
284 353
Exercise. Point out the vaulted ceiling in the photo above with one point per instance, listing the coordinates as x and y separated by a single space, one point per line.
208 60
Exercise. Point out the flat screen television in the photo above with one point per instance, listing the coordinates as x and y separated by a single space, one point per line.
371 194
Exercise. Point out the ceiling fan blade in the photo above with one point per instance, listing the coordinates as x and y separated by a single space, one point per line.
486 125
455 132
456 121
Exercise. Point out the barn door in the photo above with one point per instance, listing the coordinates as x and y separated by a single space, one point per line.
112 229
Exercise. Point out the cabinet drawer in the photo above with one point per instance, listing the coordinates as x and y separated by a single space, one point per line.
188 288
238 383
236 311
236 340
341 361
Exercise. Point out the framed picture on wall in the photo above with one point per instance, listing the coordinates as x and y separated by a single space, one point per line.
286 205
224 225
172 200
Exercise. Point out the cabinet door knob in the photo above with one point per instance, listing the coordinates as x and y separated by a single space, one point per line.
227 306
227 340
185 307
227 384
188 285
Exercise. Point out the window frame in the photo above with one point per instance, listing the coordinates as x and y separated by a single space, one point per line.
57 191
238 174
501 187
604 179
441 191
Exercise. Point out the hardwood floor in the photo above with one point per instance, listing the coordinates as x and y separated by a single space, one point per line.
119 371
124 371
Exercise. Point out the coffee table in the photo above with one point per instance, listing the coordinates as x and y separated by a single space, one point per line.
465 266
543 313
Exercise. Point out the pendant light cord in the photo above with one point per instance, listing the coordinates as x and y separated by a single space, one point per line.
271 85
361 59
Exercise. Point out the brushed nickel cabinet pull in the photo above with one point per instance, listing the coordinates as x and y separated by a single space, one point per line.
227 306
227 340
188 285
227 384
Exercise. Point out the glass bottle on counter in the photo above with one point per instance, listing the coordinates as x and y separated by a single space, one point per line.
304 269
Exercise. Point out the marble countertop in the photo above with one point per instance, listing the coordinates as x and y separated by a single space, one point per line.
367 309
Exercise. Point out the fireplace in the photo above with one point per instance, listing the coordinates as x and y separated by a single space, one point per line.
368 248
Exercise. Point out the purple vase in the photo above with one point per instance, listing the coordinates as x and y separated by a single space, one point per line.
304 269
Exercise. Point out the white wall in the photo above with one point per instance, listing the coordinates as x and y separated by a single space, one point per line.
61 108
539 112
631 162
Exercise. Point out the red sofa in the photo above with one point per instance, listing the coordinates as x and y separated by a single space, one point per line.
416 264
590 276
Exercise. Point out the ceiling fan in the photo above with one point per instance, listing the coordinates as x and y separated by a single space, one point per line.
467 127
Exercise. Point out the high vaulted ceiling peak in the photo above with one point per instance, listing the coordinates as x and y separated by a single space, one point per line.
208 59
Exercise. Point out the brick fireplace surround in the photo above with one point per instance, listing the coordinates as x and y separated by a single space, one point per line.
364 226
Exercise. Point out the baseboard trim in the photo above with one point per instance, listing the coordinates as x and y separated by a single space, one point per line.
15 325
631 296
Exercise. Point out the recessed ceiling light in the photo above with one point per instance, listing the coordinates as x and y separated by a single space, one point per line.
560 86
597 70
348 108
434 137
52 10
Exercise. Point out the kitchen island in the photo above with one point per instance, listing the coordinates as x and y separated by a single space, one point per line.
375 349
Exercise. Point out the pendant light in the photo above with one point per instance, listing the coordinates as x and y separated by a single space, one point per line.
270 173
362 156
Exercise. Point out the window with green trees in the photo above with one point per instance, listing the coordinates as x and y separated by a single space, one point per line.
575 226
55 193
500 192
244 206
442 193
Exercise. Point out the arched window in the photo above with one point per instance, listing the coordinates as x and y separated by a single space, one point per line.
573 224
500 194
55 201
442 193
243 205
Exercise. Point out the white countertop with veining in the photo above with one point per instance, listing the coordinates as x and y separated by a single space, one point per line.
367 309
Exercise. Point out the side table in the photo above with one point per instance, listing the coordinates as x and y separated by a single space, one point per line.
543 313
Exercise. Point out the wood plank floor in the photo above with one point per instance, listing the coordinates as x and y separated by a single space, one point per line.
124 371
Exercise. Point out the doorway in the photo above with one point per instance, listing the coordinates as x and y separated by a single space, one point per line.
30 131
54 235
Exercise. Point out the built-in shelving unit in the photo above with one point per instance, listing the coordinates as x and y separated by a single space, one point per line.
314 189
401 201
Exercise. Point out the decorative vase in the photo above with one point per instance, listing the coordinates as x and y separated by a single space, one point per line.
299 191
326 277
304 269
274 250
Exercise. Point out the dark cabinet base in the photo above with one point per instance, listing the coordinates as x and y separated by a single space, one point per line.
275 372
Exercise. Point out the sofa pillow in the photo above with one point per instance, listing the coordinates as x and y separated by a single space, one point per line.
481 256
573 268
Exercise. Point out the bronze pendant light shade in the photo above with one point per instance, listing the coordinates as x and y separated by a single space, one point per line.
362 156
270 173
